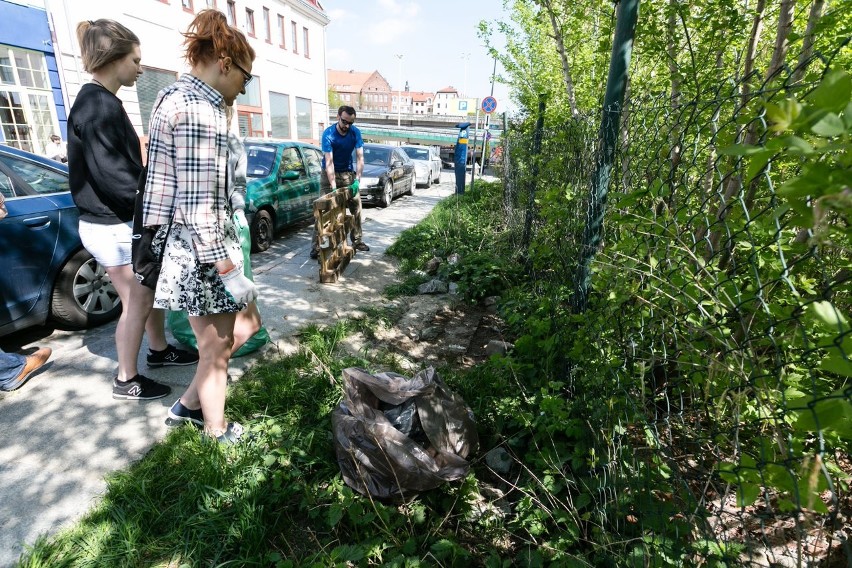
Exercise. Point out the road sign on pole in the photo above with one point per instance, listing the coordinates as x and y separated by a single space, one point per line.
489 105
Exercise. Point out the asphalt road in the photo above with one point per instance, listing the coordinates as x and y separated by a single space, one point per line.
62 432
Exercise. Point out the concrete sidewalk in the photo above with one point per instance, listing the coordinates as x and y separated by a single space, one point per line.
63 432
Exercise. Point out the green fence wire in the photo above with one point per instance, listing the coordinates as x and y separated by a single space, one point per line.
710 371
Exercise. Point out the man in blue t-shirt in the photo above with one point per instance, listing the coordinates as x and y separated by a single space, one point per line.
338 141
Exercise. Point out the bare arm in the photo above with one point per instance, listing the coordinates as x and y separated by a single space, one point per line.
359 163
329 169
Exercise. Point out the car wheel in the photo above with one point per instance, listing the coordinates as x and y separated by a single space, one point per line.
262 231
413 184
387 194
83 295
437 178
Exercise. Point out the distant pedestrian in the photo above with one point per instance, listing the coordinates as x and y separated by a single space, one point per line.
104 164
202 269
338 143
55 149
16 369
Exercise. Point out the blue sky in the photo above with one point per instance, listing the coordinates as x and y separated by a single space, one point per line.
433 36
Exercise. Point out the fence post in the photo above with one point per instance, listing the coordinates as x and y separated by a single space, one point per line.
616 83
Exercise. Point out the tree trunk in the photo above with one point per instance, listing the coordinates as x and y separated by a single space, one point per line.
785 22
751 49
672 49
563 57
734 181
808 40
779 55
709 169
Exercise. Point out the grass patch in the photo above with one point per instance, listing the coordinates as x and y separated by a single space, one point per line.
280 501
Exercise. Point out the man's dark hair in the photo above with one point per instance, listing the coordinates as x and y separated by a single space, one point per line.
347 109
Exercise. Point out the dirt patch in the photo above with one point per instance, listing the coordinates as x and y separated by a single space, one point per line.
432 330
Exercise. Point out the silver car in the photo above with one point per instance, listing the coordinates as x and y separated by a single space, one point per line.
427 163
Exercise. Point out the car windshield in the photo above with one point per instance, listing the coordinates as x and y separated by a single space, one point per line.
377 156
260 160
417 153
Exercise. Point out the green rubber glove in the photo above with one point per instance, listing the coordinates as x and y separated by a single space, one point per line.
354 187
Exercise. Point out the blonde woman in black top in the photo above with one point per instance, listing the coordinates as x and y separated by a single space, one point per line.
104 163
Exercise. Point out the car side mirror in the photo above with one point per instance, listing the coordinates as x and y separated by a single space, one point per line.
396 164
290 175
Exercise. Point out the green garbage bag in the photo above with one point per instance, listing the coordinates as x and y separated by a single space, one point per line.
179 322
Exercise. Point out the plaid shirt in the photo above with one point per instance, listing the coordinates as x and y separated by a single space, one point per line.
188 164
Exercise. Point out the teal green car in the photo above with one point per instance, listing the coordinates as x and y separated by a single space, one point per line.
283 181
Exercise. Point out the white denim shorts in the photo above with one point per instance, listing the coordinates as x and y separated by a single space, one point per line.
109 244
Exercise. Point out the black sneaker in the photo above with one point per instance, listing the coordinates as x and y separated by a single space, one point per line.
139 388
361 246
171 356
179 414
314 253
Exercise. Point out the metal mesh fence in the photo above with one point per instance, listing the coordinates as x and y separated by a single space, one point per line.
710 373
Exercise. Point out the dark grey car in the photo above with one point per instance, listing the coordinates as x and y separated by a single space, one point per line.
388 172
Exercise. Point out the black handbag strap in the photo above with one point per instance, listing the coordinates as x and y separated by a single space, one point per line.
138 205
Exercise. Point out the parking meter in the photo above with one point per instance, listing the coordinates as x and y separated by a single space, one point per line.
461 156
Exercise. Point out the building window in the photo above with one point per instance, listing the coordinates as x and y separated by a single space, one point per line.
26 109
252 96
303 119
305 43
26 121
148 86
211 4
295 43
29 65
283 31
267 25
250 123
187 5
231 14
250 22
279 114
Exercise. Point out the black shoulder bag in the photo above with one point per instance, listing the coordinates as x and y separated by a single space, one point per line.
146 263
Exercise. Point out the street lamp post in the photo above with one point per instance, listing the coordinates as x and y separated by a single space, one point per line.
399 91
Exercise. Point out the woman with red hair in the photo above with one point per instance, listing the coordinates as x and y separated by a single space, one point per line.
186 195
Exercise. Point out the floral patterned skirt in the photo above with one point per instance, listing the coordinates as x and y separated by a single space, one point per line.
189 285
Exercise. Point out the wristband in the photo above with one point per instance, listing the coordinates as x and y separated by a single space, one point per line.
228 271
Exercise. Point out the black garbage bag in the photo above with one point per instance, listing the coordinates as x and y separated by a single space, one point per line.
395 435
